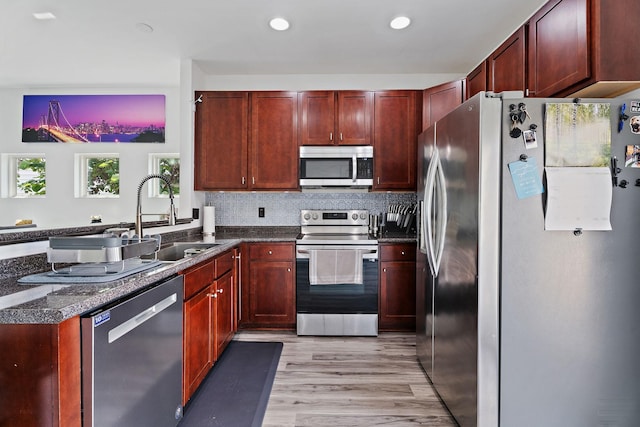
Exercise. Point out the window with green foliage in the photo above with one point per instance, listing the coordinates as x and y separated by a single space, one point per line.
103 176
169 168
30 177
167 165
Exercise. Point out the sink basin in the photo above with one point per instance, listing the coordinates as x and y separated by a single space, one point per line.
179 250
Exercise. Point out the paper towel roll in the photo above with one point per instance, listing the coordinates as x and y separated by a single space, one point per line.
209 220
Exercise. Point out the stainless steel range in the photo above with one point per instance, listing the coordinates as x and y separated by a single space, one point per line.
336 274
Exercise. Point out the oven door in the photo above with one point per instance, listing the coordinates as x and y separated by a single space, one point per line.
337 297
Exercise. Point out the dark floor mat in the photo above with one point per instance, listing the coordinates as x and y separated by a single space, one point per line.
236 391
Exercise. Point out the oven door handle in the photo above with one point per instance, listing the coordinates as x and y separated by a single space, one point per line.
305 251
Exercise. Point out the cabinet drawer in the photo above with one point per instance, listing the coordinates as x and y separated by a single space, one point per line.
398 252
271 251
197 277
223 263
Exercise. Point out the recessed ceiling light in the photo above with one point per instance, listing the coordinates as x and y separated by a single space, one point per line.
145 28
279 24
400 22
43 16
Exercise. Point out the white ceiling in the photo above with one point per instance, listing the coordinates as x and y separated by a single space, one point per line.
97 41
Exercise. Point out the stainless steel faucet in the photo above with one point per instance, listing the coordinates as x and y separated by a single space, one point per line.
172 208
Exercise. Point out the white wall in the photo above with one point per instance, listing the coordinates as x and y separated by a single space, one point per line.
60 208
324 81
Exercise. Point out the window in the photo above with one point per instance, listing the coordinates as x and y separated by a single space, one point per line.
97 175
23 175
30 176
167 165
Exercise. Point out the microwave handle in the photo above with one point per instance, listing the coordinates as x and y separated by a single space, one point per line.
355 168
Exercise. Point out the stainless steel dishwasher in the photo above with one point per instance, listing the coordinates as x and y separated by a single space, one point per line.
132 359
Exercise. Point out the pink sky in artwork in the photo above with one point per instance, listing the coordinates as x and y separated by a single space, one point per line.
130 110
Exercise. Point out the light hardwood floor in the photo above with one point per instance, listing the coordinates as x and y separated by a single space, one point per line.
350 381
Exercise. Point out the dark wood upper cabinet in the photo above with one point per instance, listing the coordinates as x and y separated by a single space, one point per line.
397 120
577 48
477 80
583 48
439 100
335 117
355 111
221 141
558 47
316 117
506 66
274 141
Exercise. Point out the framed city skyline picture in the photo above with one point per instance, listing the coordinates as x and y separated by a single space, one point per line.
93 118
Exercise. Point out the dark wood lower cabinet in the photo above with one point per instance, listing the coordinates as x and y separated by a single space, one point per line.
197 353
208 318
224 325
397 300
40 380
268 288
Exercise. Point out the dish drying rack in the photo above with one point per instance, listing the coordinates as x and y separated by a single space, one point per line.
100 255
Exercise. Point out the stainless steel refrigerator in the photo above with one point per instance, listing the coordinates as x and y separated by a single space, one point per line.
525 318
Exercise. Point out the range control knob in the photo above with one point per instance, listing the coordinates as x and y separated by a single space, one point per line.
314 216
363 215
306 216
354 216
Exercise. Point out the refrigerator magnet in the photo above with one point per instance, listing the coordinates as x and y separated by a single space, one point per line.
632 156
530 139
634 123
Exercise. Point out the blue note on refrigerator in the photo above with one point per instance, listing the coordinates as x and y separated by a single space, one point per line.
526 178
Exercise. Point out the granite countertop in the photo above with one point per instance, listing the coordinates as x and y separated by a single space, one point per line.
74 299
59 302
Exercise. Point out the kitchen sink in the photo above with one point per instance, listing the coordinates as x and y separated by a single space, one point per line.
179 250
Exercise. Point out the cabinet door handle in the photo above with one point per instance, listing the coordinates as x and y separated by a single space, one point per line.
220 291
384 269
289 270
330 136
243 180
402 253
213 295
270 253
378 180
340 136
253 180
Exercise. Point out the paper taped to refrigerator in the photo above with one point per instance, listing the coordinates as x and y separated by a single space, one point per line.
578 198
526 178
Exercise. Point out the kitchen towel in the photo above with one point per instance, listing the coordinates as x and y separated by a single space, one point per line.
334 267
209 220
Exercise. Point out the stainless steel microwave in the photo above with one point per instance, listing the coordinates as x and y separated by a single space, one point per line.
336 166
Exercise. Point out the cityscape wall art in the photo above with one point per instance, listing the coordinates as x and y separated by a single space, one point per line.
93 118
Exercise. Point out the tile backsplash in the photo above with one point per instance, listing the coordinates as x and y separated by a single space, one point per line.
283 209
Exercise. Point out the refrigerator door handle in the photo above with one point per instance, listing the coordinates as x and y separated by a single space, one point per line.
427 216
440 186
422 245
